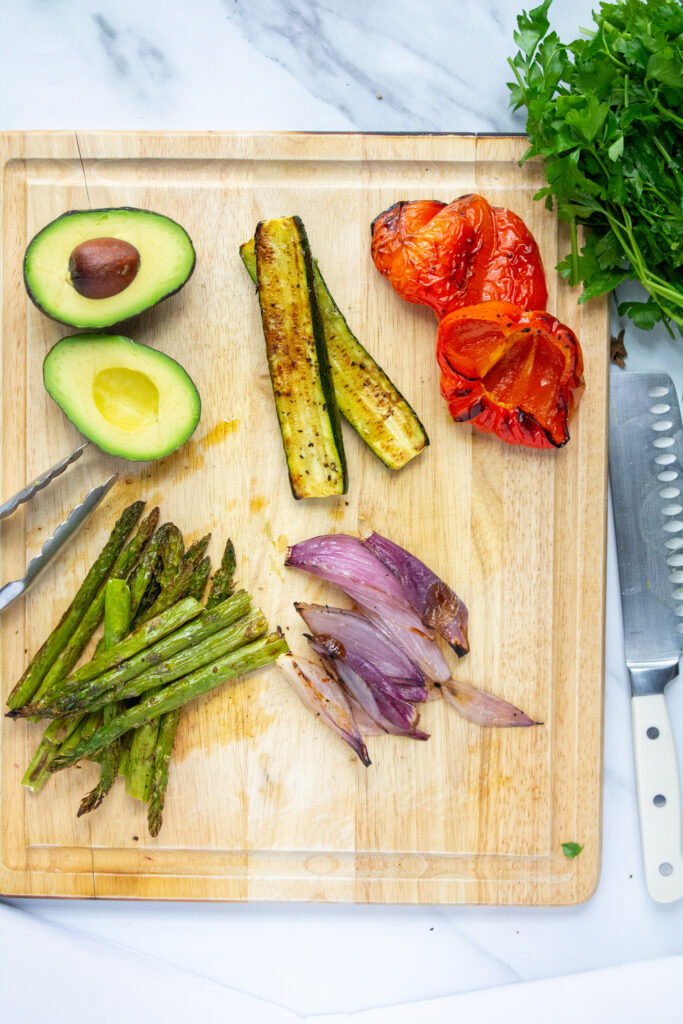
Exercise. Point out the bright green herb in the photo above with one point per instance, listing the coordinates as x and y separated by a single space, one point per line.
571 850
606 115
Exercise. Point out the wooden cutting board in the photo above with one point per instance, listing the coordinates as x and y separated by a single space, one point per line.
265 803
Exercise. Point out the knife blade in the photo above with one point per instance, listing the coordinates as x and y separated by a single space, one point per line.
646 478
75 519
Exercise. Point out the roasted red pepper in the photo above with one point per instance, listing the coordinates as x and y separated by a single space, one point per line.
460 254
512 372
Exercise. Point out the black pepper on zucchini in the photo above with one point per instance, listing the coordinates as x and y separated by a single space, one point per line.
297 360
366 397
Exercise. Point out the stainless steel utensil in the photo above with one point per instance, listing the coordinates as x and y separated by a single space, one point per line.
11 591
646 475
10 506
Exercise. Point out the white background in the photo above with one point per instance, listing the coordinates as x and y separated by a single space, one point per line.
311 65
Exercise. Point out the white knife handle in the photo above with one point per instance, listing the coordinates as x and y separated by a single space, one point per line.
659 798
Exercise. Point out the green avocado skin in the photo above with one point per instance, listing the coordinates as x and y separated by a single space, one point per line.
67 388
32 281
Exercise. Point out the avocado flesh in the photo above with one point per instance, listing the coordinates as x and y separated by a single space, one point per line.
167 259
130 400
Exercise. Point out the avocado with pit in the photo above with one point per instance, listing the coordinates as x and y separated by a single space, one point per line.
130 400
95 268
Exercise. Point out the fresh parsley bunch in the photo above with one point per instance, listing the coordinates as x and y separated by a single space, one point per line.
605 113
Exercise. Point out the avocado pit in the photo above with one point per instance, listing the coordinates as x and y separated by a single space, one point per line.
102 267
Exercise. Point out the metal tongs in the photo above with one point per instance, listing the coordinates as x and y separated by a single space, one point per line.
78 515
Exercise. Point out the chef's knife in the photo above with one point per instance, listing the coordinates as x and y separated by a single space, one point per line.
646 476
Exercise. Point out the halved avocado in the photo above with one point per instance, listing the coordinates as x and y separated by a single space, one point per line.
132 401
80 248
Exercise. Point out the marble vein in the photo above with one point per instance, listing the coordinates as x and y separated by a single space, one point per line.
389 65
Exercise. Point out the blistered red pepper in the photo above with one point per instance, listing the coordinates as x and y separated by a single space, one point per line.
512 372
460 254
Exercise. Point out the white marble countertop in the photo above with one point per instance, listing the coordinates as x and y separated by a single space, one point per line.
368 65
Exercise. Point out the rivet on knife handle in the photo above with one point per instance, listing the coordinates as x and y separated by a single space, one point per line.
11 591
11 505
659 799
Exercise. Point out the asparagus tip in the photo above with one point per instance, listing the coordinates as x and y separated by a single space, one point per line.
154 822
91 801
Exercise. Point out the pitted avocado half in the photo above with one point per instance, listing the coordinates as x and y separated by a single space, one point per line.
130 400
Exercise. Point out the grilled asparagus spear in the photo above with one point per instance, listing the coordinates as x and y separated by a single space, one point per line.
55 643
238 663
116 625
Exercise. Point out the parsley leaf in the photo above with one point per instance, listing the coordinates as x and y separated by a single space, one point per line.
605 114
571 850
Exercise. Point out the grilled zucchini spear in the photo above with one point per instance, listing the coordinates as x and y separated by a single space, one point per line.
297 360
366 397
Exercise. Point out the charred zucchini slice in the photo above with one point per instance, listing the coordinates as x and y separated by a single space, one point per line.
297 360
366 397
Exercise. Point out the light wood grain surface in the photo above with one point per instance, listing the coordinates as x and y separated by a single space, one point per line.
264 803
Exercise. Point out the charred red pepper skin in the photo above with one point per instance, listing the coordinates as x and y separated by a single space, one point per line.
511 372
450 256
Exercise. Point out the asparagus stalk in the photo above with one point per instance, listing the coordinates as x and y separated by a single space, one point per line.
137 641
142 574
111 685
200 578
116 626
141 760
238 663
168 727
143 745
83 733
44 659
171 551
37 774
93 616
116 612
195 553
149 597
169 595
223 582
124 755
188 660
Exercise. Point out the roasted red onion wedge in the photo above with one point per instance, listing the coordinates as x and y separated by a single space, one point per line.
354 632
321 692
483 708
439 607
396 717
399 689
420 648
381 700
344 560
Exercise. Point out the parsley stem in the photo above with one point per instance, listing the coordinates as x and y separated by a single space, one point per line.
575 278
517 75
665 112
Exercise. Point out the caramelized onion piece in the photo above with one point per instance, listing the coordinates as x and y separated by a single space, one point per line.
483 708
439 607
322 694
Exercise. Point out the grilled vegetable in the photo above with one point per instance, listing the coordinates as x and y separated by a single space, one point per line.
297 360
511 372
254 655
368 400
86 694
448 257
116 626
168 727
62 633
